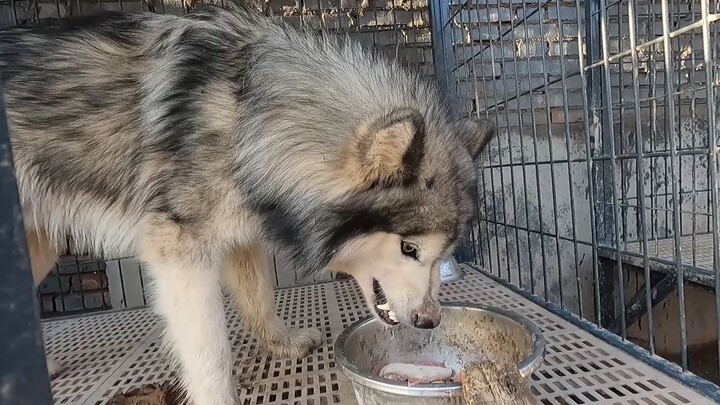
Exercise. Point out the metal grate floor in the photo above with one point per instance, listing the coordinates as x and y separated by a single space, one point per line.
697 253
117 351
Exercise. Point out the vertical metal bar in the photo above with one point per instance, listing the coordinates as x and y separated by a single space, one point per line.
469 71
713 150
523 165
23 370
455 102
504 224
537 171
485 215
553 184
670 130
477 251
62 294
694 145
620 142
441 45
594 100
122 283
571 196
496 222
598 101
484 183
142 284
588 152
654 198
79 275
510 160
613 165
640 169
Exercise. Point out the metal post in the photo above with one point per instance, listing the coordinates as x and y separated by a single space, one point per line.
442 48
24 378
599 117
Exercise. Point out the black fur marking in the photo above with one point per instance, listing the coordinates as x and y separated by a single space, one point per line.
356 222
116 27
280 221
202 60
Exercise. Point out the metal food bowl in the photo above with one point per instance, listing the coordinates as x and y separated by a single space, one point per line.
467 333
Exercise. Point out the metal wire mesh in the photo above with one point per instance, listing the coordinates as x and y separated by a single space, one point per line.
600 193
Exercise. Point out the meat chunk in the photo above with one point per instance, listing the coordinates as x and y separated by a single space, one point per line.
416 373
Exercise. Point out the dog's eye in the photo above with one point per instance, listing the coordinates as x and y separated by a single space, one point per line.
409 250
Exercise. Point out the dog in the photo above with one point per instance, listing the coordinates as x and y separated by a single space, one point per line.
198 143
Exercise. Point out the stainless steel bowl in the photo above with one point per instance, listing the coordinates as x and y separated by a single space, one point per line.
466 333
449 270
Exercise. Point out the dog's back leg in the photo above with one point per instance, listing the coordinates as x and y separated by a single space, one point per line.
43 256
188 296
248 276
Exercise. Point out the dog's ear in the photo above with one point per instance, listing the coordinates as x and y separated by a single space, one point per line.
475 134
388 150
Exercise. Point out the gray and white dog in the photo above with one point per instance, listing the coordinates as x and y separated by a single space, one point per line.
196 143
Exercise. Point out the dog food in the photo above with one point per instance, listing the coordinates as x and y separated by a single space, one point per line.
417 373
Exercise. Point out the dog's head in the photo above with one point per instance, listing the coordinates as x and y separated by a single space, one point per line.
415 183
374 180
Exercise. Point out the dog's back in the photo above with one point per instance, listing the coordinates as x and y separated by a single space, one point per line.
197 142
106 113
115 117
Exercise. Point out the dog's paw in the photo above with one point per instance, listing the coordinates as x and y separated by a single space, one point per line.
54 368
298 343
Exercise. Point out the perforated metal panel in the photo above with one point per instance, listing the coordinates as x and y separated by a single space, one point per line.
116 351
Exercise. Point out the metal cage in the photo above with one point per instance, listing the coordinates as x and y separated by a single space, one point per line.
600 194
599 197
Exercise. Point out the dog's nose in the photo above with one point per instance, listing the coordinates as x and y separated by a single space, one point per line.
426 320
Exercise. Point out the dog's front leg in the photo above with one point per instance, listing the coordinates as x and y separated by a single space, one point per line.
248 276
189 297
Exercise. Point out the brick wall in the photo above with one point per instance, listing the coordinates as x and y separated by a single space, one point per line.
77 284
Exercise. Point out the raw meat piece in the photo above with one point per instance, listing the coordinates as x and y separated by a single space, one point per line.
415 374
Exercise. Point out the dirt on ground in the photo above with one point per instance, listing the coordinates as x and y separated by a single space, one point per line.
163 394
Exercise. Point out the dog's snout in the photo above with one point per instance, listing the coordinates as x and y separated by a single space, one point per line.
426 319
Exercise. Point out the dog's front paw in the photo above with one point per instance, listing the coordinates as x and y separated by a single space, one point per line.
297 343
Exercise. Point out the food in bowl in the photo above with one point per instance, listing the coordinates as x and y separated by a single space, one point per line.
417 373
469 333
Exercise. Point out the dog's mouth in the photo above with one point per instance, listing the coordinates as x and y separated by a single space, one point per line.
381 305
